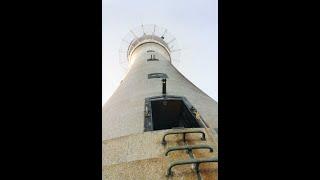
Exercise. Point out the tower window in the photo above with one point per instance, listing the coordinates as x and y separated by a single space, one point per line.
157 75
168 113
153 58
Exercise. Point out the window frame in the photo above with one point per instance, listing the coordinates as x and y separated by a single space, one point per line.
148 122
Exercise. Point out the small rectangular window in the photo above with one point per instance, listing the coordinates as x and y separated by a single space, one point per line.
157 75
153 58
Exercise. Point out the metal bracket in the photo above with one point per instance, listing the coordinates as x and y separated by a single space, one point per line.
189 148
184 134
197 162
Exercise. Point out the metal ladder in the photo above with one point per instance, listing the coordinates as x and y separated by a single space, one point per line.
189 149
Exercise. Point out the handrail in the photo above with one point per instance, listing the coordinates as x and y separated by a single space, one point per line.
184 134
189 148
190 161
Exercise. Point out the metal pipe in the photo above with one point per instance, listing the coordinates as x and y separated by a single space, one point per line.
164 84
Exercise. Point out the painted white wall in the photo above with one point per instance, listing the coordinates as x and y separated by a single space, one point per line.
193 22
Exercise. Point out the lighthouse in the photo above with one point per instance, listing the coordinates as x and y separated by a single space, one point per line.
158 124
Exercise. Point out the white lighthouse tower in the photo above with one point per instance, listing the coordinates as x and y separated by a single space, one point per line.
158 124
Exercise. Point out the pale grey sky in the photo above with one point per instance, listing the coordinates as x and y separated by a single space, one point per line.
194 23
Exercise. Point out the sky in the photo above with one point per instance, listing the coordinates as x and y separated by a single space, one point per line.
194 23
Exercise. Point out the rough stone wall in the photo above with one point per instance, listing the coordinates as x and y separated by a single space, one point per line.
142 156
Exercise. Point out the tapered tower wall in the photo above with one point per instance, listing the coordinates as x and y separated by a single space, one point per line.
123 114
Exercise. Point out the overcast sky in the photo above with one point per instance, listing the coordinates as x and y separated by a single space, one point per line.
194 23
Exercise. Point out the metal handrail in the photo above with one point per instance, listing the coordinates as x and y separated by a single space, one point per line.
197 162
184 135
189 148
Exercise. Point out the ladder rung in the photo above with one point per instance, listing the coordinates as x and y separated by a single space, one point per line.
190 161
184 132
189 148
